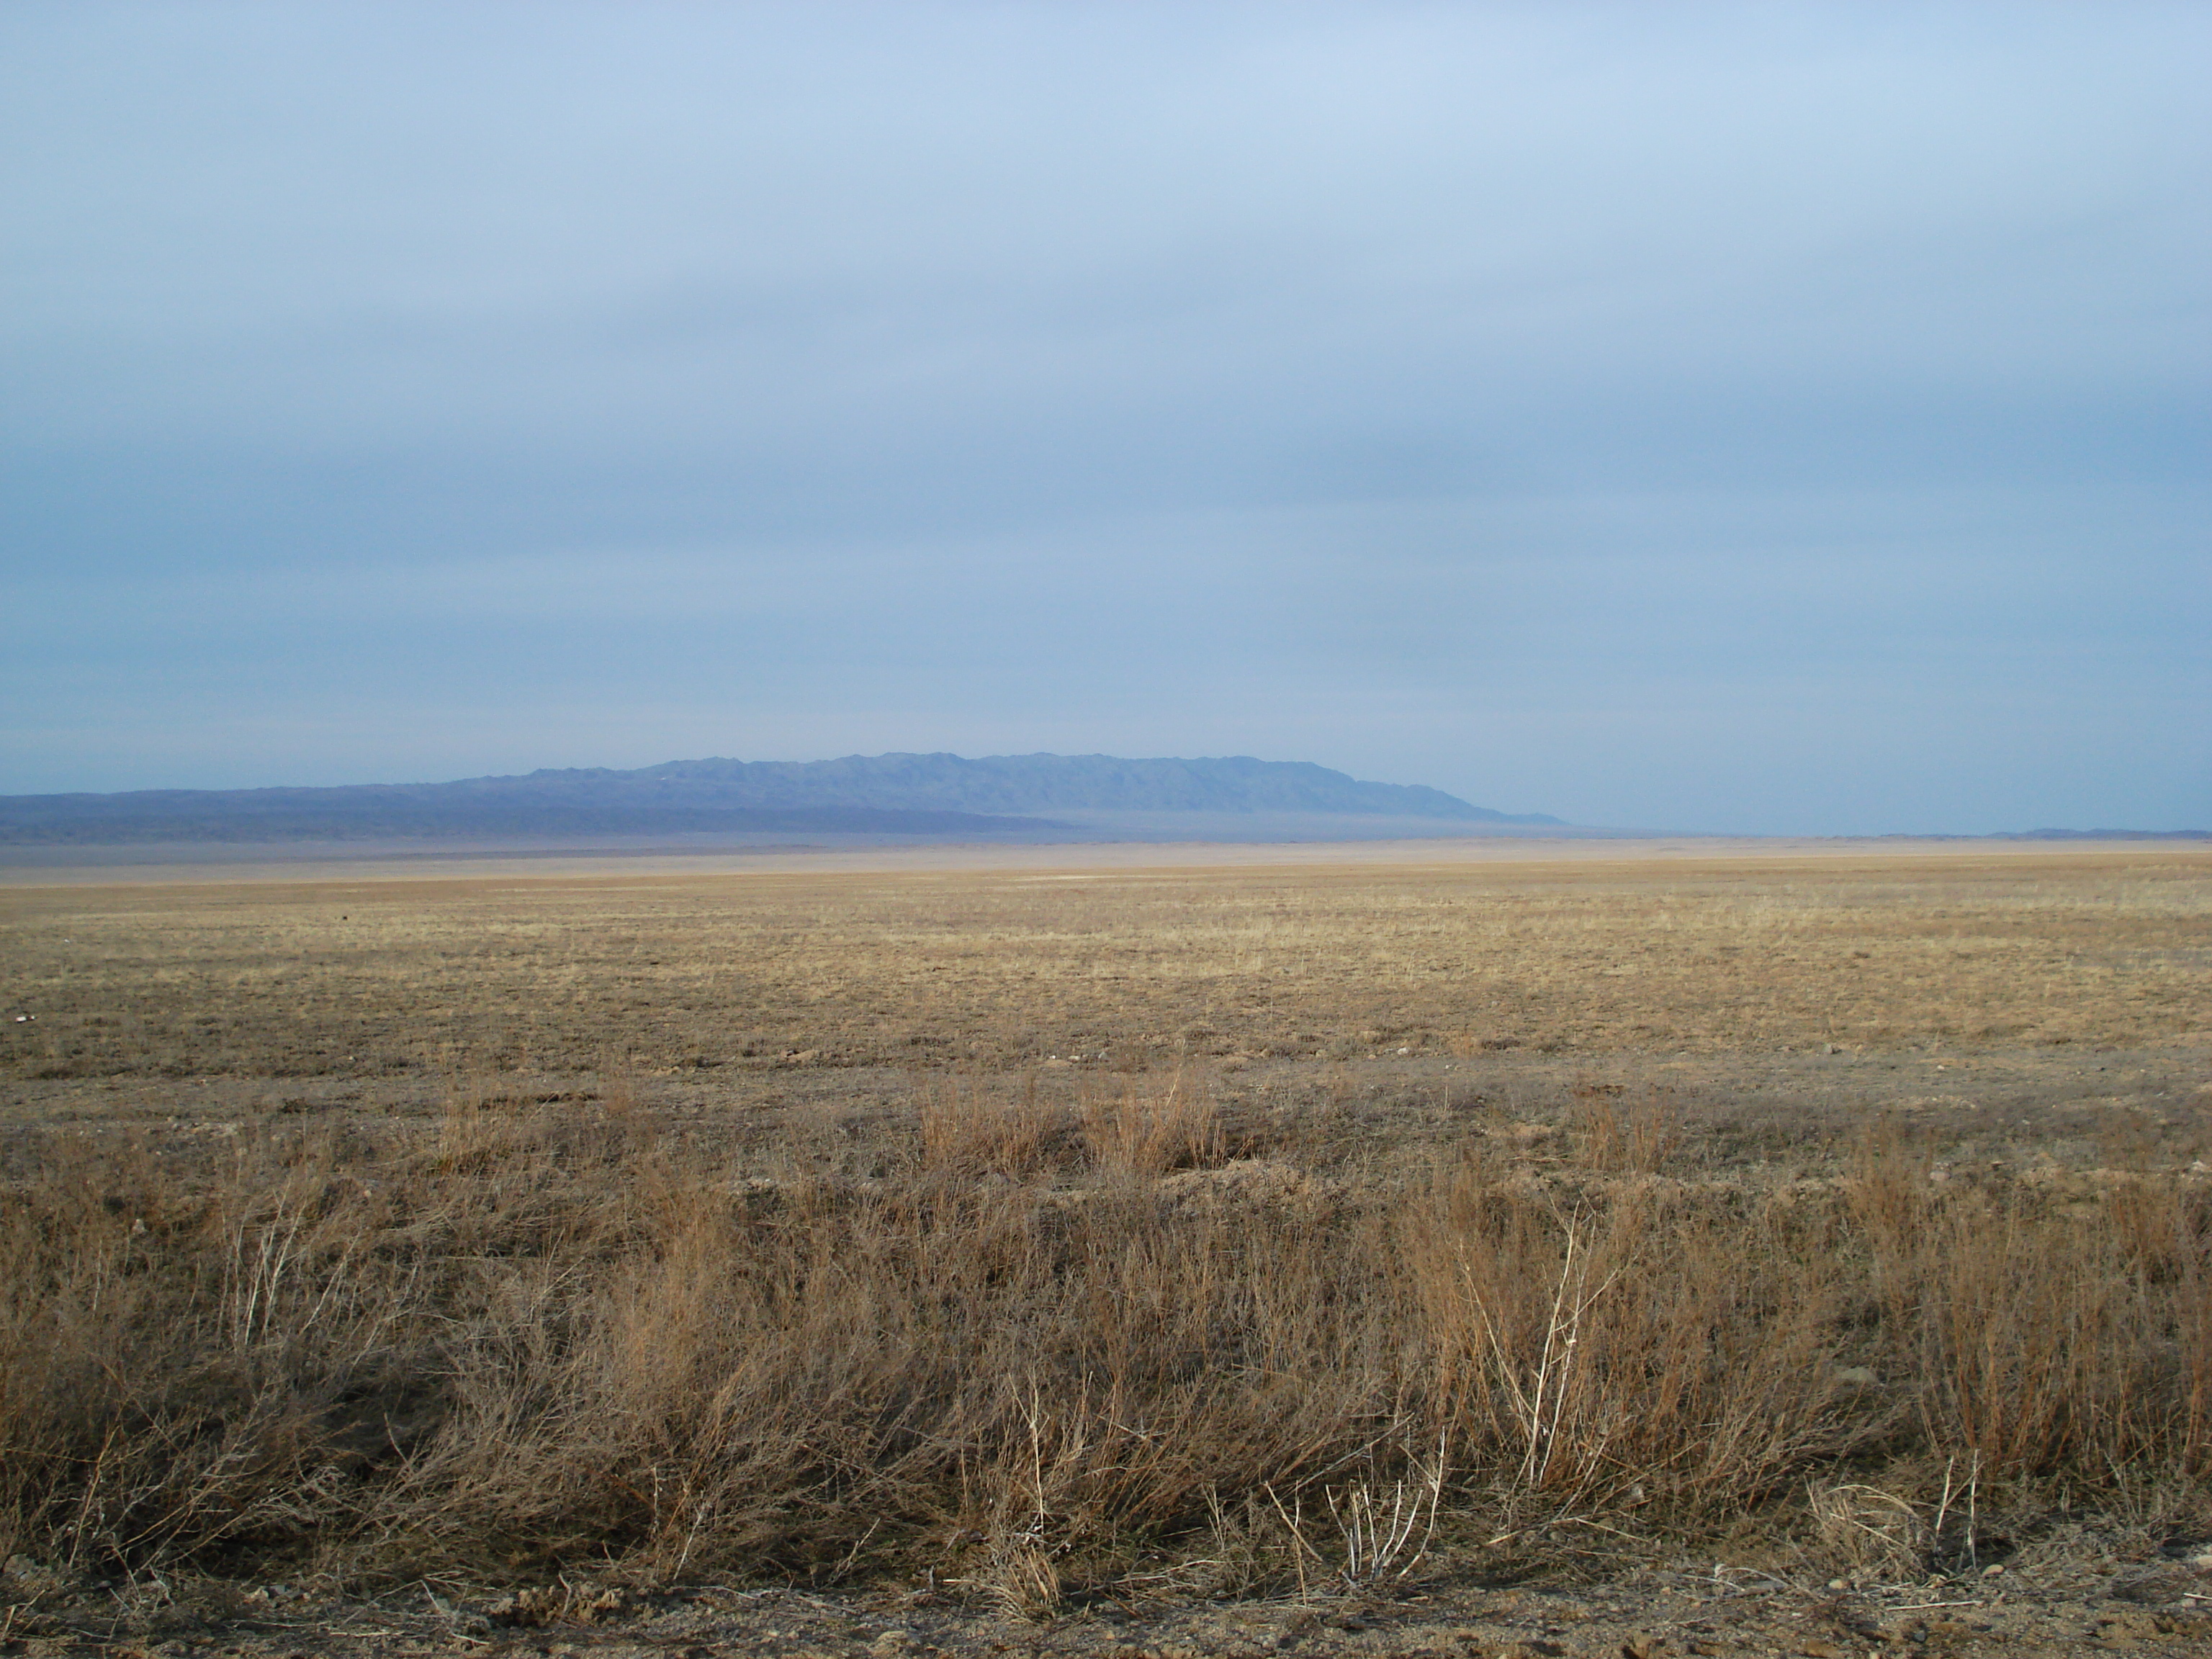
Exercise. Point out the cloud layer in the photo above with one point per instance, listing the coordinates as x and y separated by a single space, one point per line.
1776 418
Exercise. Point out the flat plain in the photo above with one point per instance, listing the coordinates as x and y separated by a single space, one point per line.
1379 1249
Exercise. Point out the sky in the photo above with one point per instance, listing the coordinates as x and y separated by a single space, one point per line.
1769 418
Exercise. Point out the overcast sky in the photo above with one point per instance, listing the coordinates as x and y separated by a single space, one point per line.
1769 417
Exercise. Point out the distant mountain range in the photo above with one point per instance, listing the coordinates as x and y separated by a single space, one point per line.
939 796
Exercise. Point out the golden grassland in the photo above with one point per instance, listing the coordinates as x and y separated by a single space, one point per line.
1010 969
1211 1230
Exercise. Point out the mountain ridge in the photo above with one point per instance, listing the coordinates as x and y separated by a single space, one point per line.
935 794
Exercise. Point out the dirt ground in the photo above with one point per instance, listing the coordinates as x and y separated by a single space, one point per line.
2084 1589
2039 1015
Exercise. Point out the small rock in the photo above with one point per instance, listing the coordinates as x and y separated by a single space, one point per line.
528 1608
32 1579
607 1604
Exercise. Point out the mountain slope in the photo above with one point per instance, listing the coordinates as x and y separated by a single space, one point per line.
937 795
1048 783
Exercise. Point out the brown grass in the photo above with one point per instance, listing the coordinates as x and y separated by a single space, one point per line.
1039 1356
1144 969
1053 1235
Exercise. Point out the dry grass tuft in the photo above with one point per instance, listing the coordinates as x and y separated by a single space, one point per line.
969 1127
1635 1138
1138 1133
1871 1531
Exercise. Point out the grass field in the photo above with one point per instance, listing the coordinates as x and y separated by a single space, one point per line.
1065 1233
272 979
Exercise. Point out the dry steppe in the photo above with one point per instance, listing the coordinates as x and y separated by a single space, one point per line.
1574 1250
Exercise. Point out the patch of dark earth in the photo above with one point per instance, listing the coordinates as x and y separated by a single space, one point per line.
2147 1109
2080 1588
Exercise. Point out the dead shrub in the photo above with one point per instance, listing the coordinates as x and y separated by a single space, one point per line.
1641 1344
1871 1531
1138 1133
2037 1342
969 1126
1634 1137
544 1335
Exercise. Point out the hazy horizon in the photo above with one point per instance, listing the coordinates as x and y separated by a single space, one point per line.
1711 418
1518 822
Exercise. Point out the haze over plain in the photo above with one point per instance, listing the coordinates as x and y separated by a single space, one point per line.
1746 419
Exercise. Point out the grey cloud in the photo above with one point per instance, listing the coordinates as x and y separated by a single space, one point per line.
1135 378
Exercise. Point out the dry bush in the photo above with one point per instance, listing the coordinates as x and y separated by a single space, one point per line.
1891 1194
544 1334
2041 1335
2041 1347
976 1125
1634 1137
1141 1131
1649 1345
795 1377
1870 1530
184 1369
